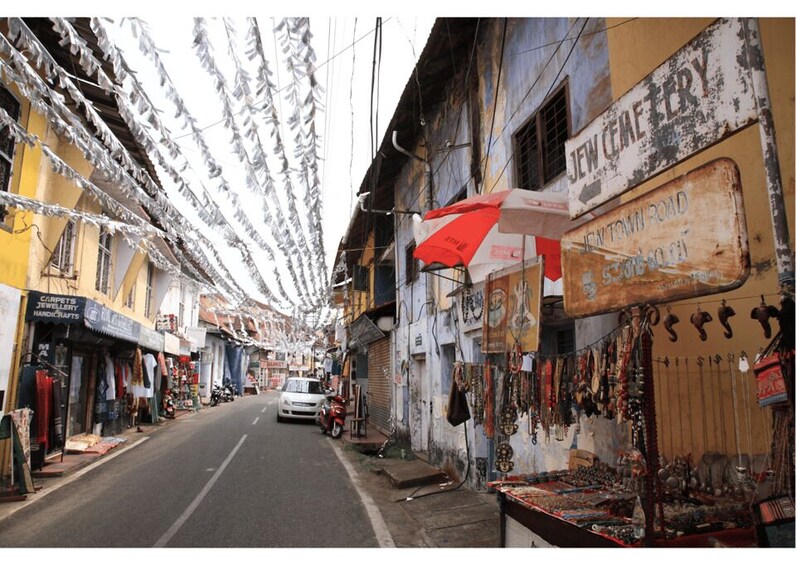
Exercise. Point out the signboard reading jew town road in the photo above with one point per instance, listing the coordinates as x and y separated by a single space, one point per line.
698 96
513 308
686 238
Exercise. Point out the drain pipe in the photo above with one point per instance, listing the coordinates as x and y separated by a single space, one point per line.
426 164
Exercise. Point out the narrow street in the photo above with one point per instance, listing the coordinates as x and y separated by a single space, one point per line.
233 477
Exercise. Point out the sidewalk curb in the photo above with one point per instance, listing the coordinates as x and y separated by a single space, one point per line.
66 479
380 528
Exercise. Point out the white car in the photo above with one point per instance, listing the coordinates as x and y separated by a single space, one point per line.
300 398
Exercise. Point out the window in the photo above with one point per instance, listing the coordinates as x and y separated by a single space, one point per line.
411 263
361 276
63 257
7 143
130 300
150 276
103 282
539 144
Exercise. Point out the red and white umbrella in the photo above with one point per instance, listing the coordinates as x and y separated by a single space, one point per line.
489 232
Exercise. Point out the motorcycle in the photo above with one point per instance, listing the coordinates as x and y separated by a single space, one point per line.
221 394
332 415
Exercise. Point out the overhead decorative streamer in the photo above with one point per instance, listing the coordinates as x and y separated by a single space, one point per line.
148 48
205 54
264 90
70 128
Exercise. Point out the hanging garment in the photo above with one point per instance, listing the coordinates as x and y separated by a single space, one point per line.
150 374
118 370
164 371
58 424
75 379
110 378
137 377
22 419
43 403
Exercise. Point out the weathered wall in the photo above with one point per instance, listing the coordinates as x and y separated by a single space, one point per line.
636 49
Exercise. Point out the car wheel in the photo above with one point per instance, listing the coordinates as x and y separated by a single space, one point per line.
279 418
337 430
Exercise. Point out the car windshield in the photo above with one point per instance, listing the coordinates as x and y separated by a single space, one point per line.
309 387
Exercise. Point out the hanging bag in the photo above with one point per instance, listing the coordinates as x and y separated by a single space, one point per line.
769 378
458 410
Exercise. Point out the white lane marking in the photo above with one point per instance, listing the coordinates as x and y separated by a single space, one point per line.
44 492
255 420
164 539
383 535
263 410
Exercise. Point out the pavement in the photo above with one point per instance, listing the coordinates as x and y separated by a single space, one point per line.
418 506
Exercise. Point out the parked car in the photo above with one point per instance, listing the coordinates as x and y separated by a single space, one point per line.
300 398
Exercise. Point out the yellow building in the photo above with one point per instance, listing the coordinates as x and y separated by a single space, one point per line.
80 285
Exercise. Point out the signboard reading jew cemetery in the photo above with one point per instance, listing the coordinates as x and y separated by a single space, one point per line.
697 97
686 238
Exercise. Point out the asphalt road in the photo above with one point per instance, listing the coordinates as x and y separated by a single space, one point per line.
230 476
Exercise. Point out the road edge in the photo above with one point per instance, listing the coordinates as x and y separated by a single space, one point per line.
377 522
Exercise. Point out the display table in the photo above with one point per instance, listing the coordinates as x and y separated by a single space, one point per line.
593 516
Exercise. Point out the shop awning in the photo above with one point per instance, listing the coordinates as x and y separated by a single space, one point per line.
65 309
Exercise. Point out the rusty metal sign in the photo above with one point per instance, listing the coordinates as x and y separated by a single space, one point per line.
684 239
697 97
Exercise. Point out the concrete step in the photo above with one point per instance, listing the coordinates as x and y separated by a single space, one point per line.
411 473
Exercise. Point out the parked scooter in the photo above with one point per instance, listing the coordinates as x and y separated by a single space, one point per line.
221 394
332 415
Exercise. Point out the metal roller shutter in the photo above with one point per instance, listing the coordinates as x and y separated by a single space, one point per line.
379 381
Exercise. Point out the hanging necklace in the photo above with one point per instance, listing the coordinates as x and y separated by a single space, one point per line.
730 359
700 363
722 420
692 442
679 397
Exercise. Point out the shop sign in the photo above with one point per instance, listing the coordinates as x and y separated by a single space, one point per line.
513 307
684 239
151 339
171 344
273 364
55 308
364 331
470 303
103 320
697 97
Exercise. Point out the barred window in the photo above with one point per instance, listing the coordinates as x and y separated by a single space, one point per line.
103 282
63 258
130 300
539 144
7 143
361 276
411 263
150 277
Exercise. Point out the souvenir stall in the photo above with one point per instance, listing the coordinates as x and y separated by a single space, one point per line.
73 377
700 437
